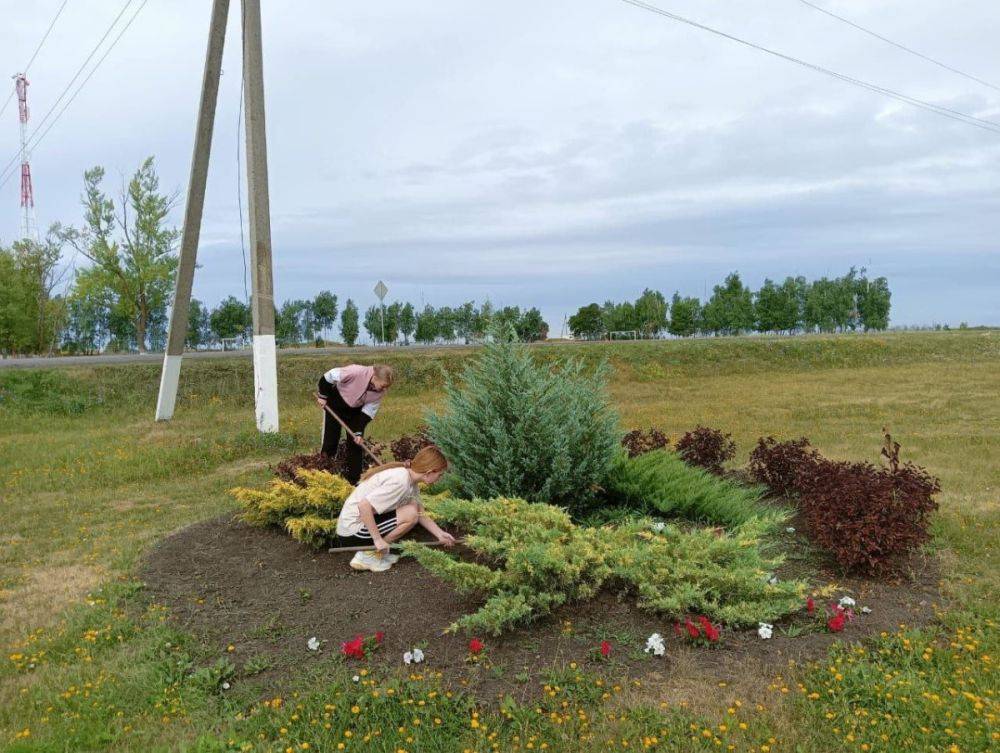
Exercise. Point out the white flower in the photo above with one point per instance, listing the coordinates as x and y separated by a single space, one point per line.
790 529
765 630
356 678
659 526
655 646
225 686
773 580
866 610
846 601
413 657
313 644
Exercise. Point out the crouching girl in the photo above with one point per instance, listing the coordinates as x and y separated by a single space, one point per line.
386 505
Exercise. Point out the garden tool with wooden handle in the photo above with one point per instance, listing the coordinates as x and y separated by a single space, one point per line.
335 549
350 432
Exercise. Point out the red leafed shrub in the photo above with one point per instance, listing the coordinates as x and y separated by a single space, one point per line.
407 446
778 465
285 470
706 448
868 517
638 442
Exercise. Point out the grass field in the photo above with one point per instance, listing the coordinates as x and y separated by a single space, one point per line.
88 482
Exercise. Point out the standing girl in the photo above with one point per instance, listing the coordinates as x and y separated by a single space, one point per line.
354 393
386 505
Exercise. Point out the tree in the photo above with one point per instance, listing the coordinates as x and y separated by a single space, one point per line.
465 321
16 322
685 314
199 330
407 322
730 309
651 312
445 322
86 323
129 245
349 323
874 301
426 331
374 323
324 311
483 320
587 322
288 324
392 314
531 327
31 317
775 308
231 319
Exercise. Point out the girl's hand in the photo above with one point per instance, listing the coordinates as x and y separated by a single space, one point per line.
446 539
320 401
381 546
358 440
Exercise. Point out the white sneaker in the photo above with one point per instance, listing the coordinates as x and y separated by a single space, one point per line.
368 561
391 558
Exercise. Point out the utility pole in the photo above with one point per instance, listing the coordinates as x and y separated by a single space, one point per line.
264 357
265 368
177 332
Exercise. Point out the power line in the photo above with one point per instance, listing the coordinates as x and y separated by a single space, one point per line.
903 47
37 138
35 53
988 125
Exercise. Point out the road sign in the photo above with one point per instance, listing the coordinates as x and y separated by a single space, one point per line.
381 290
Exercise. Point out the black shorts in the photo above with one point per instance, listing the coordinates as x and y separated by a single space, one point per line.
384 521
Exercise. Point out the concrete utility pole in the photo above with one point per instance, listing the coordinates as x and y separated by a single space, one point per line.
264 356
177 332
265 369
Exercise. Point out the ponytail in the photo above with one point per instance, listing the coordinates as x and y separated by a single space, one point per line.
428 460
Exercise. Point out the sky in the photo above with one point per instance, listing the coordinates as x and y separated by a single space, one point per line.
547 154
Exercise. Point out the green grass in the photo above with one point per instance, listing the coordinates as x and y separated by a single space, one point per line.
660 482
89 482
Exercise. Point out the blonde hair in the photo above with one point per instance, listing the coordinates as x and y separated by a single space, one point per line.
428 460
385 373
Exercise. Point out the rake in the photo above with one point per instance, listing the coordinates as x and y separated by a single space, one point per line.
350 432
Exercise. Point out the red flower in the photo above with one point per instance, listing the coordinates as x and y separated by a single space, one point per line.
605 649
810 605
380 636
354 649
711 632
476 645
692 630
836 623
677 628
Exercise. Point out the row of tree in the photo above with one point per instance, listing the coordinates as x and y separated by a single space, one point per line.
118 298
842 304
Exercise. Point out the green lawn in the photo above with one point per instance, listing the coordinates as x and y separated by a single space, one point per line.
89 482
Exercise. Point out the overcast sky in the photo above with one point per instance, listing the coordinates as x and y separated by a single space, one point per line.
549 153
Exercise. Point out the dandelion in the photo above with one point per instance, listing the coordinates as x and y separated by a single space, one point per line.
655 645
765 630
356 678
313 644
413 657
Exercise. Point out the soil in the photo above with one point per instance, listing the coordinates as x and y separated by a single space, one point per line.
266 594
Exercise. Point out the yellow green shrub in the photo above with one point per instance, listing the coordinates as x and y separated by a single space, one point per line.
311 529
322 496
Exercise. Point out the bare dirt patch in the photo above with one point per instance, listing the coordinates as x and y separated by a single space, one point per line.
264 593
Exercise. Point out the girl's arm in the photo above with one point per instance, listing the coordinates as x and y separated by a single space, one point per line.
367 516
435 530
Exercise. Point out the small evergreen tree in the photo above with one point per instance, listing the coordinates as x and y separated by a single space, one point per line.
517 428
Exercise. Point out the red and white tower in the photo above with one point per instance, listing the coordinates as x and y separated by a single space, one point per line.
29 226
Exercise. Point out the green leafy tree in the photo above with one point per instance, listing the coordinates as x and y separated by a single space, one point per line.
129 245
465 321
232 318
651 312
288 322
445 319
874 300
349 323
685 314
587 322
324 311
514 427
426 331
199 328
730 309
86 323
16 321
619 317
32 316
484 320
392 314
407 322
531 327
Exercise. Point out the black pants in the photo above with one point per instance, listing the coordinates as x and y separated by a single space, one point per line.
354 418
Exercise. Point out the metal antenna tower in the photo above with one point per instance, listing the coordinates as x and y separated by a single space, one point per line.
29 225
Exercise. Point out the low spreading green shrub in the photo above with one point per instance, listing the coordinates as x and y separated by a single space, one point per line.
307 508
518 428
532 558
660 482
